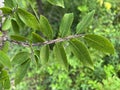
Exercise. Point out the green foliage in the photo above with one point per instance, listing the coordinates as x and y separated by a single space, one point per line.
57 47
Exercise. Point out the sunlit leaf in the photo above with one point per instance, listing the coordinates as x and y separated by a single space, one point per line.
86 21
20 58
6 10
46 27
44 54
28 18
6 24
4 59
100 43
37 38
60 55
57 2
21 71
81 52
66 24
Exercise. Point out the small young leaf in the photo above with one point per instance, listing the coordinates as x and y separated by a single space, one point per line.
81 52
6 10
66 24
29 19
46 27
6 24
21 71
36 38
15 26
86 21
99 42
44 54
60 55
18 38
20 58
4 59
59 3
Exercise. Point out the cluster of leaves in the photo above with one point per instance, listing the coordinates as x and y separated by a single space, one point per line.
35 32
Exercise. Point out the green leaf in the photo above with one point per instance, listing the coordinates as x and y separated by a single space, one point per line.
46 27
28 18
19 21
7 83
57 2
5 47
15 26
18 38
4 59
36 38
60 55
6 10
20 58
44 54
21 71
81 52
100 43
86 21
6 24
10 3
66 24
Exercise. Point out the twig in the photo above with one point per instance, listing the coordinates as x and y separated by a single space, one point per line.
47 42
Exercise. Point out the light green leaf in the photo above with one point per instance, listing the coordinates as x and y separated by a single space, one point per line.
60 55
15 26
46 27
28 18
36 38
20 58
44 54
100 43
86 21
6 46
57 2
4 59
6 10
10 3
6 24
66 24
21 71
81 52
18 38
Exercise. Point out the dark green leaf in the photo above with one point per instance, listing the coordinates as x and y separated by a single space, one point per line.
86 21
21 71
81 52
57 2
4 59
15 26
18 38
44 54
36 38
6 24
6 10
20 58
46 27
66 24
99 42
28 18
60 55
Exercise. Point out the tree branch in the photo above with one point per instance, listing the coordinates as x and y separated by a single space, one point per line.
48 42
